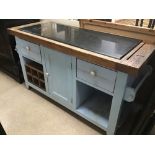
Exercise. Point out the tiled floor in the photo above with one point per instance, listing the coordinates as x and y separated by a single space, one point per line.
23 111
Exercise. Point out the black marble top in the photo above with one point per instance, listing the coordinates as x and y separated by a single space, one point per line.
102 43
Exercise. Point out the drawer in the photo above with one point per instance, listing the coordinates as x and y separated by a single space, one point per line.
29 50
97 76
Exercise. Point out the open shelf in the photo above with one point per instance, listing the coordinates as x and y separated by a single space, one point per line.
35 73
93 105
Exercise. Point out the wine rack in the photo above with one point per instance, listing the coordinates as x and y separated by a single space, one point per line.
35 74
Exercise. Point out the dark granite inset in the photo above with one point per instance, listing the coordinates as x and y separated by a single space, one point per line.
102 43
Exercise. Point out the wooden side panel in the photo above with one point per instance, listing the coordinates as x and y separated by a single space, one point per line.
138 59
145 34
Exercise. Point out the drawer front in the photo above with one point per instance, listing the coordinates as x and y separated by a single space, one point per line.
29 49
95 75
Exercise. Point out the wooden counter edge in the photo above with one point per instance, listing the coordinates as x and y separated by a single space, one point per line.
86 55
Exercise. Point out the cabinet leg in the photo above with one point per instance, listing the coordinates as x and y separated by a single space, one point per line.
117 101
27 86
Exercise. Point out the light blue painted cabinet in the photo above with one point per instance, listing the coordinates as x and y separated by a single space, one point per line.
59 74
93 92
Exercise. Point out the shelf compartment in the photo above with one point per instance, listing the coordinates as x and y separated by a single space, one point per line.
29 78
41 76
94 105
34 66
35 73
42 85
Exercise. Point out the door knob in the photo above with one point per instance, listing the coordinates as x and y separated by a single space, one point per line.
47 74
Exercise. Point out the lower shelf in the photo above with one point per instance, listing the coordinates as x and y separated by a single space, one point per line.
97 108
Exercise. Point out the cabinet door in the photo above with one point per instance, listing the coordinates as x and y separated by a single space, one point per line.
60 79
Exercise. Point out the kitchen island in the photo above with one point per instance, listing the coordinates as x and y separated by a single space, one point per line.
91 73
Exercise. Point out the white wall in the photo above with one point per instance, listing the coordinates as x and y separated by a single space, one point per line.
70 22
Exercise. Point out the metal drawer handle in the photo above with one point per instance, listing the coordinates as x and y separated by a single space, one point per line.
28 48
93 73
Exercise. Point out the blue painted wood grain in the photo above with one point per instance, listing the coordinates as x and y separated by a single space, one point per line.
60 76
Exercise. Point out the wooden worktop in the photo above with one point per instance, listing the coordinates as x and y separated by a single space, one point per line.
131 63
